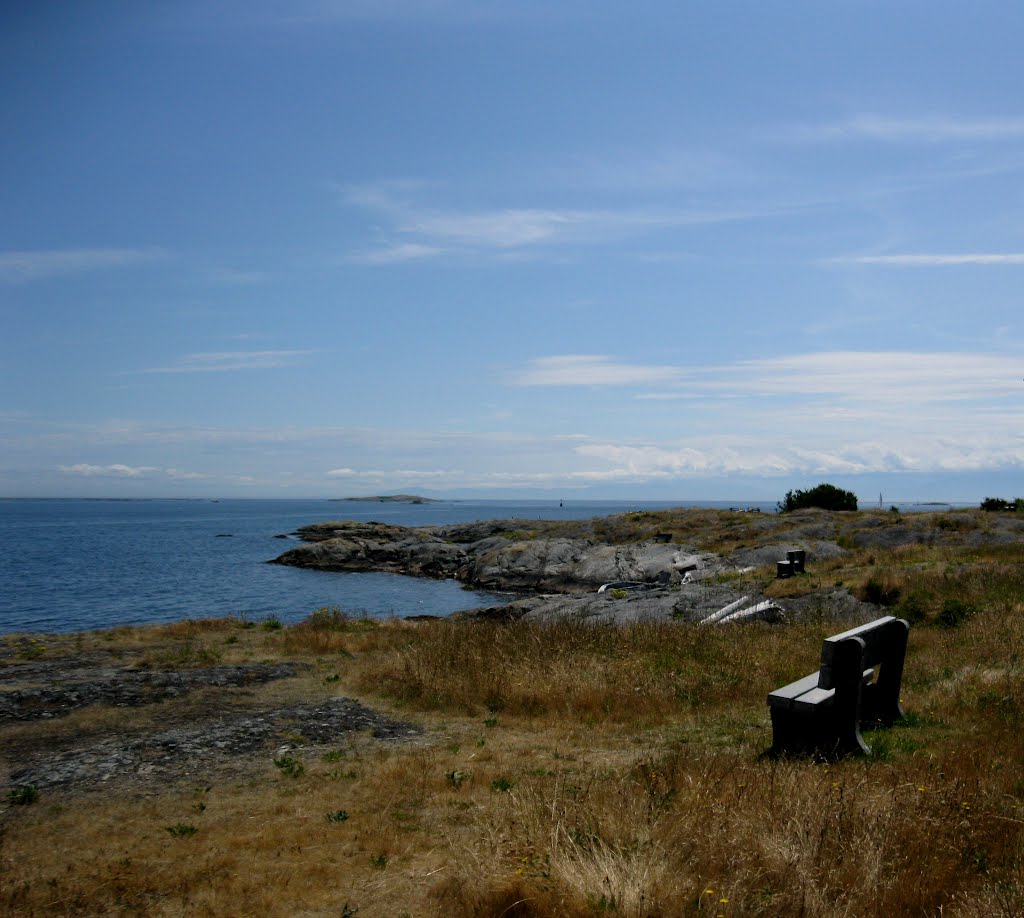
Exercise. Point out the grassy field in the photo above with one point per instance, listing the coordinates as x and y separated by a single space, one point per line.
563 770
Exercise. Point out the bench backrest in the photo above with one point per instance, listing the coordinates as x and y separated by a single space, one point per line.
881 638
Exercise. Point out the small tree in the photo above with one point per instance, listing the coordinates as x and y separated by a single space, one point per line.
825 496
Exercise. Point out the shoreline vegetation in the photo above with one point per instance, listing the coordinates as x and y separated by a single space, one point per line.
536 765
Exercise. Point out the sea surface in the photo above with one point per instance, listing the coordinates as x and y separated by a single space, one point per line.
73 565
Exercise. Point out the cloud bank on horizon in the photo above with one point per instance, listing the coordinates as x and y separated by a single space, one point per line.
336 247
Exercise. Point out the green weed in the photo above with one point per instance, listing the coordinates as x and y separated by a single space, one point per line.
23 795
181 830
290 767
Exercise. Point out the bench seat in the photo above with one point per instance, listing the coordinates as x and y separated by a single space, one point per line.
806 693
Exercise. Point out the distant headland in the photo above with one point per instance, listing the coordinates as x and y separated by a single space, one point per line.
391 499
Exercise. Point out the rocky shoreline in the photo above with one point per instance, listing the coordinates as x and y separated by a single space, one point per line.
666 567
679 564
508 555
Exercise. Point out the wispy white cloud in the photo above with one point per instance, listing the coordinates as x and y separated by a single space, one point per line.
182 475
590 370
829 413
827 448
224 361
30 265
934 260
929 129
120 470
116 470
900 377
416 231
504 228
395 254
890 377
660 170
830 454
405 475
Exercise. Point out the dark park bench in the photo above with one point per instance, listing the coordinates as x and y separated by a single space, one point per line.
794 564
858 684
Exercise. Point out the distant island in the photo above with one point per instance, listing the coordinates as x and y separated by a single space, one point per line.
391 499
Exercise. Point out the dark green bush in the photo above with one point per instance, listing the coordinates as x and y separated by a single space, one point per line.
955 612
913 608
879 593
825 496
995 504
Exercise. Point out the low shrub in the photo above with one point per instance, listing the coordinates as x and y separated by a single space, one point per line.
326 619
913 608
182 830
955 612
290 766
882 590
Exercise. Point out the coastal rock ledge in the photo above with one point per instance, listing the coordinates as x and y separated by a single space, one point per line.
491 555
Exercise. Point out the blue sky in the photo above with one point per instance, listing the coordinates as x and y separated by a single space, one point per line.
511 249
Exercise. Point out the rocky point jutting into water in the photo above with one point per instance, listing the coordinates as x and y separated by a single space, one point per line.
511 554
684 564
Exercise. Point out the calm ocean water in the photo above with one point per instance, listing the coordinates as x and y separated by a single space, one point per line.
72 565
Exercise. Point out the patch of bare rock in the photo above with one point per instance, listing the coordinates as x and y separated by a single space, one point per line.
56 688
185 749
204 735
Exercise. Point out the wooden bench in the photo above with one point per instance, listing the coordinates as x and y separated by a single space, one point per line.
858 684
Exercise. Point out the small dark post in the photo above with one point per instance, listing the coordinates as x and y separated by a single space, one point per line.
797 558
783 569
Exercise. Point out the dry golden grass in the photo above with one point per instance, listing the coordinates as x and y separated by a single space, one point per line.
570 770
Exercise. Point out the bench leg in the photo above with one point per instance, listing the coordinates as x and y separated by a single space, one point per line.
812 733
845 710
881 702
789 734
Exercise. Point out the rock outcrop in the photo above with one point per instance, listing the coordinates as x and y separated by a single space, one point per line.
491 555
682 564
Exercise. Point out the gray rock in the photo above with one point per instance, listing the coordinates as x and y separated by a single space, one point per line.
176 751
64 692
494 554
882 536
835 606
776 551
